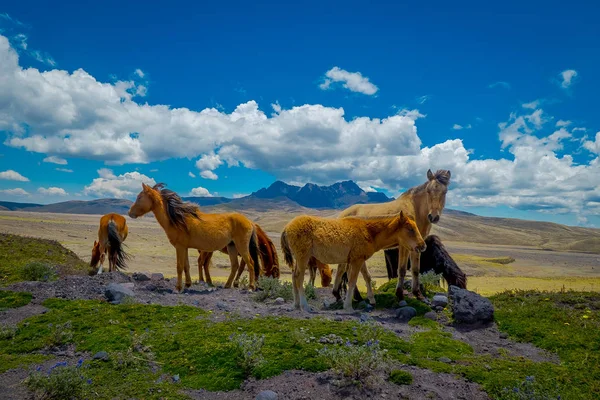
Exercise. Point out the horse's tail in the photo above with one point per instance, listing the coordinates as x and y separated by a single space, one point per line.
287 252
254 251
116 252
268 253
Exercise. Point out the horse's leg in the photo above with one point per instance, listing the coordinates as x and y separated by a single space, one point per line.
245 253
338 281
301 265
232 251
207 268
353 270
186 267
402 264
182 254
295 286
415 264
367 277
239 273
201 256
312 268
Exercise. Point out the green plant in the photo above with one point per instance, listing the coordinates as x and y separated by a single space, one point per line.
60 334
61 382
431 282
400 377
10 299
249 349
309 292
7 332
272 288
137 356
244 282
299 336
37 271
529 389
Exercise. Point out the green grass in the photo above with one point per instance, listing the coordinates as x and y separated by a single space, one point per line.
9 299
18 251
400 377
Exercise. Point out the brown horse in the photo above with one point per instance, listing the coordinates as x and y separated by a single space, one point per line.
111 235
324 271
187 227
268 256
425 203
345 240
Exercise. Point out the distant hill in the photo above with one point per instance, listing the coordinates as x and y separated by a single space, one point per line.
100 207
8 205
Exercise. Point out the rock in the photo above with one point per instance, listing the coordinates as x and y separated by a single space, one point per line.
221 305
369 308
431 315
128 285
176 378
326 304
440 300
267 395
141 276
101 355
445 360
364 317
503 335
438 308
469 307
403 303
151 287
157 276
405 314
338 319
116 293
279 300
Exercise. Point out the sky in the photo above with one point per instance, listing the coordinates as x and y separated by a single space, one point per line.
223 99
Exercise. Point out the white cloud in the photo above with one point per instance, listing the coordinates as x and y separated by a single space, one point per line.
209 162
593 146
122 186
154 170
561 123
64 169
191 175
423 99
368 189
239 195
501 84
209 175
14 192
458 127
52 191
55 160
140 73
567 77
531 105
11 175
200 192
353 81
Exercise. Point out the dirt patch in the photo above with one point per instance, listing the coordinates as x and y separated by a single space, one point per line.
13 316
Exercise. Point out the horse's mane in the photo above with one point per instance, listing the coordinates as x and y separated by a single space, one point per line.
441 175
177 209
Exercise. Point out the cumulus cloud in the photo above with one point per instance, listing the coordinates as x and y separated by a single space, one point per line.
52 191
140 73
121 186
200 192
458 127
593 145
353 81
239 195
567 77
14 192
11 175
191 175
561 123
55 160
531 105
64 169
209 175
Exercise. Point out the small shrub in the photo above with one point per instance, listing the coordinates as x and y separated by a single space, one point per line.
60 382
431 282
299 336
9 299
249 348
529 389
244 282
309 292
60 334
400 377
272 288
7 332
137 356
37 271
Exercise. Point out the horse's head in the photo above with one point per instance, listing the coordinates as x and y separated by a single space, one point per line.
143 203
325 275
97 257
409 236
437 187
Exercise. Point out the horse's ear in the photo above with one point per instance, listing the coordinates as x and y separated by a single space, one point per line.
430 175
95 243
402 217
145 187
449 174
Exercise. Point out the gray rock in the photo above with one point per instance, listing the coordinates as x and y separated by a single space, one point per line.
405 314
469 307
279 300
101 355
326 304
141 276
176 378
503 335
438 308
338 319
445 360
364 317
431 315
267 395
128 285
369 308
403 303
221 305
440 300
157 276
116 293
151 287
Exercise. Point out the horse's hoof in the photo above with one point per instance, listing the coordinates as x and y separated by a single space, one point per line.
308 309
188 285
236 284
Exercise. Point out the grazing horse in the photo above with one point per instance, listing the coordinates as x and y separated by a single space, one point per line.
187 227
425 204
345 240
268 256
324 271
111 235
435 258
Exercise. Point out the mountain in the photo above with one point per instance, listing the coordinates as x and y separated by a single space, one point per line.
99 207
207 201
9 205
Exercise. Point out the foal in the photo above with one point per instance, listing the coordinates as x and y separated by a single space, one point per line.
350 240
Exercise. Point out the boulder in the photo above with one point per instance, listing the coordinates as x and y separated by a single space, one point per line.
267 395
101 355
405 314
141 276
116 293
279 300
440 301
157 276
431 315
469 307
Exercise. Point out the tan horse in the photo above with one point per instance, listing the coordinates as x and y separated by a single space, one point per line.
324 271
187 227
425 204
346 240
268 256
111 235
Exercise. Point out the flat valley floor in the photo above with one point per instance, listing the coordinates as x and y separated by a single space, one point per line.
489 268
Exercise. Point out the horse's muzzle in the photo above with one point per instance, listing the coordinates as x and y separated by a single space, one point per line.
432 219
422 248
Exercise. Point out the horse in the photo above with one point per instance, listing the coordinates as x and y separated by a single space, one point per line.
111 235
268 256
425 204
187 227
324 271
344 240
435 258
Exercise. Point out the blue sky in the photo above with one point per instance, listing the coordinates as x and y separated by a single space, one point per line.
241 94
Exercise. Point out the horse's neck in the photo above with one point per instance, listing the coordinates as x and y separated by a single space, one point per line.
418 203
385 236
161 215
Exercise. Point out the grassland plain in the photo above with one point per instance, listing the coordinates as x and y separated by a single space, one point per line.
158 351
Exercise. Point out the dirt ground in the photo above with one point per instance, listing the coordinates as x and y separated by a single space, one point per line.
290 385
